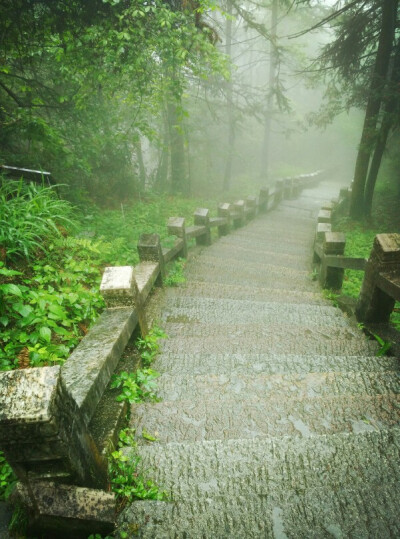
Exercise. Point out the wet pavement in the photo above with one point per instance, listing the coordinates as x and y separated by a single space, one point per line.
277 419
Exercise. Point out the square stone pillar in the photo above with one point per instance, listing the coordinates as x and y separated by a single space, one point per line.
239 218
149 249
251 206
224 211
42 432
263 199
334 244
119 289
201 217
373 304
278 196
176 227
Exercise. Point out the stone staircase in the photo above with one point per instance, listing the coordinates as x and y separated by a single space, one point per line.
276 417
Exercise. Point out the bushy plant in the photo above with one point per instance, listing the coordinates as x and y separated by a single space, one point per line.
30 216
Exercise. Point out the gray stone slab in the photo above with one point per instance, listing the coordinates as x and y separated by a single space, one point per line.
229 418
254 364
87 371
221 311
172 387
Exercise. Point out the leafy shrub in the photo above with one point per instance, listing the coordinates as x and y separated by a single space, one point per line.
7 478
138 386
30 216
126 480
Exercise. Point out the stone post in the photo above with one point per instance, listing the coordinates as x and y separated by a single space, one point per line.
373 304
224 210
324 216
42 432
201 217
119 289
251 204
149 249
296 187
176 227
288 188
263 199
278 192
334 244
322 228
240 218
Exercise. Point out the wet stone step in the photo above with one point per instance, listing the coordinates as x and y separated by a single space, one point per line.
240 255
219 387
222 311
256 363
205 289
279 340
314 514
268 467
288 281
216 419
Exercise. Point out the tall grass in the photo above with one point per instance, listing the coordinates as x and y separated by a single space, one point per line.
30 216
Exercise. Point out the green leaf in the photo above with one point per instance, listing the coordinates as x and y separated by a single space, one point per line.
12 289
45 333
4 320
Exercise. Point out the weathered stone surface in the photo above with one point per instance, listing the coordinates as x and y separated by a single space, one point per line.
229 418
89 368
236 363
27 403
42 431
69 511
118 286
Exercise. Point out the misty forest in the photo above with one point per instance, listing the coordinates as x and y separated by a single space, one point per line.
118 115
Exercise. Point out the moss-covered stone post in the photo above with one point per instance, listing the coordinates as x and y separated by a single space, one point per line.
334 244
176 227
201 217
224 211
149 249
373 304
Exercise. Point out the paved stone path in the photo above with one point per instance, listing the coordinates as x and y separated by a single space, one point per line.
276 418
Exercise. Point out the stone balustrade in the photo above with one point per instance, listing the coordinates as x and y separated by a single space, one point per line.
49 417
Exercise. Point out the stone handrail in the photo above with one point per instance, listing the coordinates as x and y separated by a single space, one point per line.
51 418
381 285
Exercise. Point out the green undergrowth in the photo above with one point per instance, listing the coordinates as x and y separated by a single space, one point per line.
126 479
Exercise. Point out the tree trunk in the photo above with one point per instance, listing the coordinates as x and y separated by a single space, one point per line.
142 168
265 154
376 90
229 92
179 181
386 125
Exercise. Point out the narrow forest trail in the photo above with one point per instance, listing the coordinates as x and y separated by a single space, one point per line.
276 418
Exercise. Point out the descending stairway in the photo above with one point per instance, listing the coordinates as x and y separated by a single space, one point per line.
276 418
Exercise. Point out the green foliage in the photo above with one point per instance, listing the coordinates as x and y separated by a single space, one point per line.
136 386
175 273
30 218
384 345
127 481
7 478
149 345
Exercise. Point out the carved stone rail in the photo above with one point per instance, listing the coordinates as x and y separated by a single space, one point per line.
51 418
381 285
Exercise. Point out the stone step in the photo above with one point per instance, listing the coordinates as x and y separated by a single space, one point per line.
326 486
231 291
218 311
236 255
172 387
277 339
313 514
256 364
266 466
228 418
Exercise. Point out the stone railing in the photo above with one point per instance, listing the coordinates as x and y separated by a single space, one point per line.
381 285
56 423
